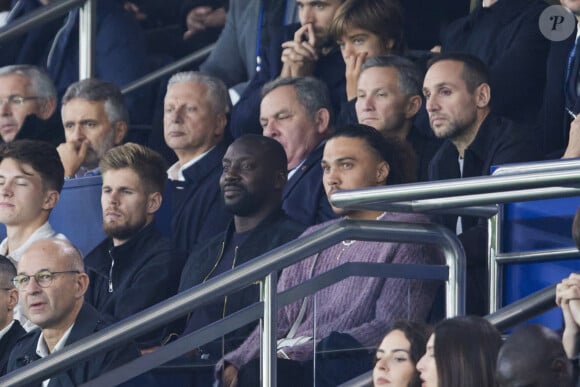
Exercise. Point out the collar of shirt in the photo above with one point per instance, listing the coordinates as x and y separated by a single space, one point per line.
175 172
295 169
42 348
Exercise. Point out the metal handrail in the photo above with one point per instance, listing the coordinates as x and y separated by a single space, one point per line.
455 191
41 15
169 69
513 184
255 270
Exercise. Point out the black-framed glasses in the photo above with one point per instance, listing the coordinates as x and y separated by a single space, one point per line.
16 100
43 278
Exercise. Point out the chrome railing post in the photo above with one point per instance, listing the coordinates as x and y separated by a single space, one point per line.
455 285
87 22
494 269
268 348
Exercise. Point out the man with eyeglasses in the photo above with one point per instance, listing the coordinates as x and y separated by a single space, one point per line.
10 329
52 283
28 105
31 179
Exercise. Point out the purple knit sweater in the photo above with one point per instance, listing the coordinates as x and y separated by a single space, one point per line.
359 306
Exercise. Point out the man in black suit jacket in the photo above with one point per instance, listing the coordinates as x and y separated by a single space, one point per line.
297 112
10 329
52 284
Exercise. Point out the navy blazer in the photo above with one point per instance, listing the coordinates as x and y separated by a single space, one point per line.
198 211
330 69
304 196
7 343
87 322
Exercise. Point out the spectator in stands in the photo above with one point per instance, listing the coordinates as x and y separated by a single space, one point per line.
298 50
28 105
398 354
233 60
52 282
10 329
252 182
388 99
297 113
462 351
31 178
120 51
533 356
135 266
196 108
504 34
358 311
561 89
95 120
458 95
364 29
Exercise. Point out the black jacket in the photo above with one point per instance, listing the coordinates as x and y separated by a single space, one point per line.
197 210
87 322
274 231
131 277
7 342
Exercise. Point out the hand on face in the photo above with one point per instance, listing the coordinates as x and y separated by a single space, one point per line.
72 155
353 68
299 56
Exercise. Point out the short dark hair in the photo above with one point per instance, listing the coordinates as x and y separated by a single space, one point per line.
145 162
383 18
410 78
311 92
7 272
475 71
41 156
95 90
417 334
271 149
466 350
397 153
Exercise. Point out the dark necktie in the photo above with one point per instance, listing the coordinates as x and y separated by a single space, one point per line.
573 66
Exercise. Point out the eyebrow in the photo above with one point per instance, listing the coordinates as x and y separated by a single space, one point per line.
357 35
395 350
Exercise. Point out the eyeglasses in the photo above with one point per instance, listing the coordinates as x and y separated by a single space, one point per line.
16 100
43 278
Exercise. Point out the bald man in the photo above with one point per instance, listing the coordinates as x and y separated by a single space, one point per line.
533 356
52 282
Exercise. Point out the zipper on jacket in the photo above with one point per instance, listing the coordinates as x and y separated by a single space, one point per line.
111 272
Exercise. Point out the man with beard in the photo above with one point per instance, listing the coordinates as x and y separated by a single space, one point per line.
95 120
135 267
253 179
457 93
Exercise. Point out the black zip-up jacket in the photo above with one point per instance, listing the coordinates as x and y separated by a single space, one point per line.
131 277
272 232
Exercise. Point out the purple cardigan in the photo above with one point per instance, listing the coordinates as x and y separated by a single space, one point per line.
362 307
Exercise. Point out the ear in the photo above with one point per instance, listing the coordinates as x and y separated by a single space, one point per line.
413 105
482 95
280 180
383 170
50 200
12 298
120 128
221 123
389 44
82 283
322 120
46 108
154 201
